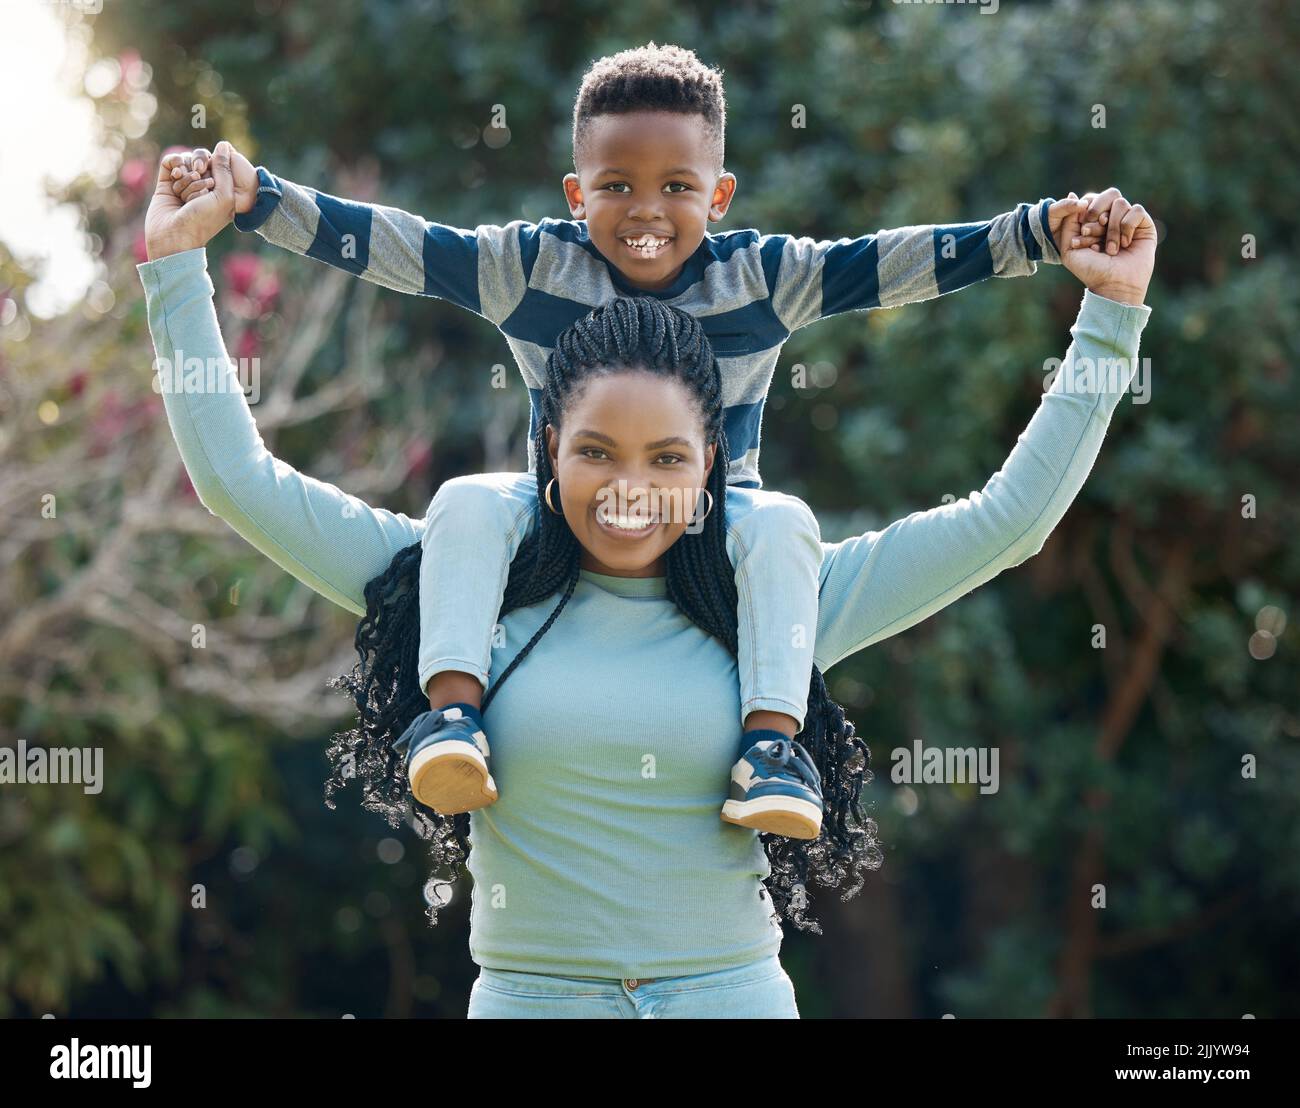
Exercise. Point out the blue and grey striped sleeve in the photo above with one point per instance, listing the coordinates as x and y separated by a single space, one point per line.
481 270
811 279
880 583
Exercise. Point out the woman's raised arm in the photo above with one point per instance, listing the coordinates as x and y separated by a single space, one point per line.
883 582
330 541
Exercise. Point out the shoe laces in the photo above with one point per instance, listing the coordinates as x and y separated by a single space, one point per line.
786 754
424 724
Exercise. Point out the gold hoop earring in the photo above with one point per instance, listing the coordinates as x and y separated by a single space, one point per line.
706 514
548 496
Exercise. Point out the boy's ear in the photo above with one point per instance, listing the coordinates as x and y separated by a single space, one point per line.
573 194
723 193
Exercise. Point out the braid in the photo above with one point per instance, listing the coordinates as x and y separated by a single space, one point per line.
628 332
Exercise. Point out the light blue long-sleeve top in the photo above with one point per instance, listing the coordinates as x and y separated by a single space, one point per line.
612 743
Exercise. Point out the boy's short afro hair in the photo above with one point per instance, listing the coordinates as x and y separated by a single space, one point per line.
652 78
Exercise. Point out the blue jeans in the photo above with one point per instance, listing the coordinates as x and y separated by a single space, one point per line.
760 990
476 523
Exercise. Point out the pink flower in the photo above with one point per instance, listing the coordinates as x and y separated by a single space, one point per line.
131 64
267 292
241 269
418 454
135 176
249 344
108 424
139 249
148 409
77 382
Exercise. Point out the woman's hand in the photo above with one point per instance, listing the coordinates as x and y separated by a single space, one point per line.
1119 268
171 227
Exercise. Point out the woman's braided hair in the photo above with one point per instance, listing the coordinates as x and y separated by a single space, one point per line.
641 334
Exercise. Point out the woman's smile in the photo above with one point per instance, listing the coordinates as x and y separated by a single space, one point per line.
624 528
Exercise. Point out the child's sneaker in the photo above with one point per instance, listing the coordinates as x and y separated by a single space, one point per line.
446 761
775 788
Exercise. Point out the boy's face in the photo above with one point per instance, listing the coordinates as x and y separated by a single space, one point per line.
648 172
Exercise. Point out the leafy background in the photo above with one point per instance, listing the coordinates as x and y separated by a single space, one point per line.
1120 765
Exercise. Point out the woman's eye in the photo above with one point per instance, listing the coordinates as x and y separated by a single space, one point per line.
587 451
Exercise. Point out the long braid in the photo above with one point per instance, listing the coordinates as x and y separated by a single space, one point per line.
626 333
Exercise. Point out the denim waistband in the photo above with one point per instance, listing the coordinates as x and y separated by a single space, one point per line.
518 981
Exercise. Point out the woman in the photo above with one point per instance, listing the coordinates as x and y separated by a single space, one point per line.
604 882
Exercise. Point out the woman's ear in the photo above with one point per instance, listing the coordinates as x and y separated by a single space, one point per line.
709 452
553 448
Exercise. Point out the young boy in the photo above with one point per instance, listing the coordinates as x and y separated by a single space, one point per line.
648 140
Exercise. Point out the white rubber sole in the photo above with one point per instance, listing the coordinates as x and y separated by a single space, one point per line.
776 815
452 777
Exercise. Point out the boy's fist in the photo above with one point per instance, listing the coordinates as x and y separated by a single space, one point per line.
1119 268
1090 232
1095 229
192 176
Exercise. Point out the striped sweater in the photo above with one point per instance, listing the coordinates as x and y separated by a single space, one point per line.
749 290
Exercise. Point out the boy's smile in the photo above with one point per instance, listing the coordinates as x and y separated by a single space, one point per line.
648 188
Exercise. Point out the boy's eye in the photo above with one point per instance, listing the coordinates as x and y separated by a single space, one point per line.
616 184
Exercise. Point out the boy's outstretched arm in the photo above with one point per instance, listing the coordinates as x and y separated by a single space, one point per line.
480 269
812 279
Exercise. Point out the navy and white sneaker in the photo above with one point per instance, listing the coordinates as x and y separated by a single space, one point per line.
775 788
446 762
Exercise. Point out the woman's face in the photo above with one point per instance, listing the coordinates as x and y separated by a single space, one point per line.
631 450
